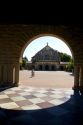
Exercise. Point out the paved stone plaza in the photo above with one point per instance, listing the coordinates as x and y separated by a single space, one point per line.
56 79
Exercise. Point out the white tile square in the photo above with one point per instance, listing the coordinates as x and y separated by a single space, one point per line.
56 96
18 98
42 91
3 96
56 102
16 88
9 105
9 92
40 95
69 92
30 107
24 93
57 92
36 100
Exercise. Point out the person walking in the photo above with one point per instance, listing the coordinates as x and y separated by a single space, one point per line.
32 73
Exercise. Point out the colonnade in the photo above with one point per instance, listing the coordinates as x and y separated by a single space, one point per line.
9 74
78 78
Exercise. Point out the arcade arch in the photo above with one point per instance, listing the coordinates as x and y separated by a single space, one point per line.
15 38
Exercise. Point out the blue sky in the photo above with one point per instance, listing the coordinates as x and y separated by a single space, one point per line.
37 44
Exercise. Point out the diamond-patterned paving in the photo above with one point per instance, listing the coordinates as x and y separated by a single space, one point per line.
32 98
25 105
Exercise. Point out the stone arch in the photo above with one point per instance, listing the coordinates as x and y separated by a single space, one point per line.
58 36
47 67
61 68
15 38
40 67
53 67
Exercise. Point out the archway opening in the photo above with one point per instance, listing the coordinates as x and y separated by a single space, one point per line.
40 67
38 58
44 77
53 68
47 68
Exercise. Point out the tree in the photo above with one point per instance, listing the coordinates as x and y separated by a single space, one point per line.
64 57
70 66
24 63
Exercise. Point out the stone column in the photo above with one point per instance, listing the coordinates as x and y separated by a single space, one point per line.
10 74
81 79
76 77
1 74
16 74
50 67
5 74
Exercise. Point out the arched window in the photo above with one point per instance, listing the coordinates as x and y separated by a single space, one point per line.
40 67
46 67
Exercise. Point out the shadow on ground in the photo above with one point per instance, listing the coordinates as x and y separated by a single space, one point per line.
71 74
5 86
68 113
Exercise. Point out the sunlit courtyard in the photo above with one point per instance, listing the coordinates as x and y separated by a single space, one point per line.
49 79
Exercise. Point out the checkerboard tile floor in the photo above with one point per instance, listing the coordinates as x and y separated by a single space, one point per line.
25 105
31 98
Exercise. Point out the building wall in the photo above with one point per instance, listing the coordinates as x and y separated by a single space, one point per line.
50 65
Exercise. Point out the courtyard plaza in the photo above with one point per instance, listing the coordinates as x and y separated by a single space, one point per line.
45 99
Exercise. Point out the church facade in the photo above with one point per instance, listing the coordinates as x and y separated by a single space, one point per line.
47 59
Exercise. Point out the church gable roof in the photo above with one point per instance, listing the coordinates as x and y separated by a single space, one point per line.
47 48
47 53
